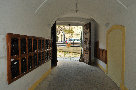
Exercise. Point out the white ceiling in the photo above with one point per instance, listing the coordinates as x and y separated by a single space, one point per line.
75 21
99 10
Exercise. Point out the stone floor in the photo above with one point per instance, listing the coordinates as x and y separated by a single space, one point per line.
74 75
68 58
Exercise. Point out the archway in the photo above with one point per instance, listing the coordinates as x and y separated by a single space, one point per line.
116 54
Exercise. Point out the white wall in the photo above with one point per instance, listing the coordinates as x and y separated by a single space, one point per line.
18 16
126 18
24 82
93 31
101 37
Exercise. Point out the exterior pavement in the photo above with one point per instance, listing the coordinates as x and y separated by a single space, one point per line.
74 75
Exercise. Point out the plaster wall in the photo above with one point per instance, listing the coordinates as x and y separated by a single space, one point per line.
18 17
93 24
101 37
115 55
25 81
127 19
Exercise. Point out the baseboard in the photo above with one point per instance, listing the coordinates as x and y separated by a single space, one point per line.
40 80
123 87
101 68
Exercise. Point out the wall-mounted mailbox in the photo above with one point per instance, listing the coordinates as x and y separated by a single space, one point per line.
25 53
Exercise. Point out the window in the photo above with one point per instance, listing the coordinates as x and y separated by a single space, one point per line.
25 53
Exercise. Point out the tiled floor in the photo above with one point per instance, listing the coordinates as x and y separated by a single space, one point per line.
74 75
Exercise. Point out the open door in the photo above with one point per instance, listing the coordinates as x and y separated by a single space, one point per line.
87 43
90 62
54 46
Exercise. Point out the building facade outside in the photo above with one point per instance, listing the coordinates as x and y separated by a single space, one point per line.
66 33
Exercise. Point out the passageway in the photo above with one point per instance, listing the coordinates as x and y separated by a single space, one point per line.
69 42
28 45
73 75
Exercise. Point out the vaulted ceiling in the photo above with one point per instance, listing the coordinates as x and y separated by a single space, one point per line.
100 10
65 10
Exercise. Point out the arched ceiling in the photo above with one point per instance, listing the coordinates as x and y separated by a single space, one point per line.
75 21
64 10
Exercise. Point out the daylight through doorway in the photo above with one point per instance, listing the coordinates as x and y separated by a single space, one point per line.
69 42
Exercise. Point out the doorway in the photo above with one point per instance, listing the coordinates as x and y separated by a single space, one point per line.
68 42
74 43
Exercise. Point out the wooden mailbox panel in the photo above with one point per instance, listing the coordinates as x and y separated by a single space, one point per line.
25 53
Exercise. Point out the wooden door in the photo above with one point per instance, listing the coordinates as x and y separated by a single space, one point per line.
54 46
87 43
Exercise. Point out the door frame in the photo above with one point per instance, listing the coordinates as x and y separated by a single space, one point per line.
123 30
